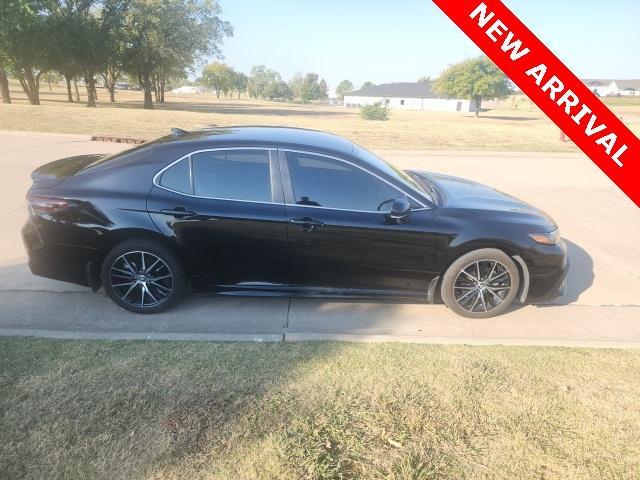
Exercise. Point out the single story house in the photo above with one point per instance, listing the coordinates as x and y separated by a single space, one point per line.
612 88
188 89
407 96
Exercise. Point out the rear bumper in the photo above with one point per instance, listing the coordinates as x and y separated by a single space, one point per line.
67 263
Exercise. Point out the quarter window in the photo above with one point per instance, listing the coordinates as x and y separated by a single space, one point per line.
177 177
232 174
325 182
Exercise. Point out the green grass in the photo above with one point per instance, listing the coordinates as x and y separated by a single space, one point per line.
161 410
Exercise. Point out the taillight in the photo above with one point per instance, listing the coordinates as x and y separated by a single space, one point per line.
40 205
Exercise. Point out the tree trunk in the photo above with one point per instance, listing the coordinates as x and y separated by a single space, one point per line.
146 82
110 80
478 104
162 85
67 78
4 87
90 84
30 85
75 84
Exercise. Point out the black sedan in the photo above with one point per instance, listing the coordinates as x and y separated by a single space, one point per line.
284 211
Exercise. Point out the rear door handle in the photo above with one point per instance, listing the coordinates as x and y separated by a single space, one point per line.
307 224
178 212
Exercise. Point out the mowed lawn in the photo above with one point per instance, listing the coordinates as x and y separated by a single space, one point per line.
524 129
171 410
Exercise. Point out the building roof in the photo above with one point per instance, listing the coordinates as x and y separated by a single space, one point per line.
400 89
633 84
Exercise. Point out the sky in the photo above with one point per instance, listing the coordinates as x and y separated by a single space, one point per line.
402 40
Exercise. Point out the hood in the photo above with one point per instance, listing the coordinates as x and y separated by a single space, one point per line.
455 192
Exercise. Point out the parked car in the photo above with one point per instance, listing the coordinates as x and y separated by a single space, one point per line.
284 211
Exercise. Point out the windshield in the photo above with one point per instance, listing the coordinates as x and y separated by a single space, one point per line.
392 171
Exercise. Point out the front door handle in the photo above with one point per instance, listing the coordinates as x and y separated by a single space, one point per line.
307 224
178 212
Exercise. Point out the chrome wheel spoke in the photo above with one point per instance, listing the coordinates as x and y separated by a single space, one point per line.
129 291
155 300
156 284
484 304
150 269
155 279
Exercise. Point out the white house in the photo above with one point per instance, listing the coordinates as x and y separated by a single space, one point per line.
188 89
612 88
407 96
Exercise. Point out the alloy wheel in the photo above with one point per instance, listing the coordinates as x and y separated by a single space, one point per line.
141 279
482 286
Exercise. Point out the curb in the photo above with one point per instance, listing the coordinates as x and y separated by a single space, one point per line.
416 339
309 336
189 337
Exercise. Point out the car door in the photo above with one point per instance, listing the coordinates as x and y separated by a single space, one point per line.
225 208
340 234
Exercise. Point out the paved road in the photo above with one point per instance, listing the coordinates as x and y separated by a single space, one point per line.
601 307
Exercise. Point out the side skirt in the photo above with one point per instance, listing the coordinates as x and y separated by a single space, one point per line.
269 290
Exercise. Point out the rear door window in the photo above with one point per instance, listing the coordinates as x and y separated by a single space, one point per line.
232 175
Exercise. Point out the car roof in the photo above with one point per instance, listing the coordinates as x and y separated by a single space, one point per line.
262 136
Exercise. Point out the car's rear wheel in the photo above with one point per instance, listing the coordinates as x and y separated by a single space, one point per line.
143 276
481 283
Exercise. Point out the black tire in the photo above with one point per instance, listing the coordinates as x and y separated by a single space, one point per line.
164 282
459 291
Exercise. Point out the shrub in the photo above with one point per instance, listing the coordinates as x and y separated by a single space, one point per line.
374 112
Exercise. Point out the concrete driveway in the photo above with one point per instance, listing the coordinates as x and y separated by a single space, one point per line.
600 224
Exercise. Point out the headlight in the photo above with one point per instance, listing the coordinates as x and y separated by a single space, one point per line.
551 238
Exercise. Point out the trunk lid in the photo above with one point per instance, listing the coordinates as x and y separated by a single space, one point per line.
52 173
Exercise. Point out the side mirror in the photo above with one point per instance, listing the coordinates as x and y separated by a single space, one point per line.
400 209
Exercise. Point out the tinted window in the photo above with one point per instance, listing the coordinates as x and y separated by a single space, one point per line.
321 181
177 177
232 174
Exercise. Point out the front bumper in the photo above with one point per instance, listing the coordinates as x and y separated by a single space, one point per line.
548 266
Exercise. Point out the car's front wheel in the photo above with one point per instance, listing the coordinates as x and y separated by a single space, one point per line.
143 276
481 283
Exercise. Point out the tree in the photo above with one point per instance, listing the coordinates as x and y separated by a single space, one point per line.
345 86
367 84
424 79
113 14
310 89
219 76
295 84
477 79
278 91
240 82
261 78
25 43
324 90
168 36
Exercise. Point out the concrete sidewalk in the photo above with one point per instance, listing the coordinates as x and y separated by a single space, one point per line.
601 307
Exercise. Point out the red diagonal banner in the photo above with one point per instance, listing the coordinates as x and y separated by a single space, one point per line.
557 91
